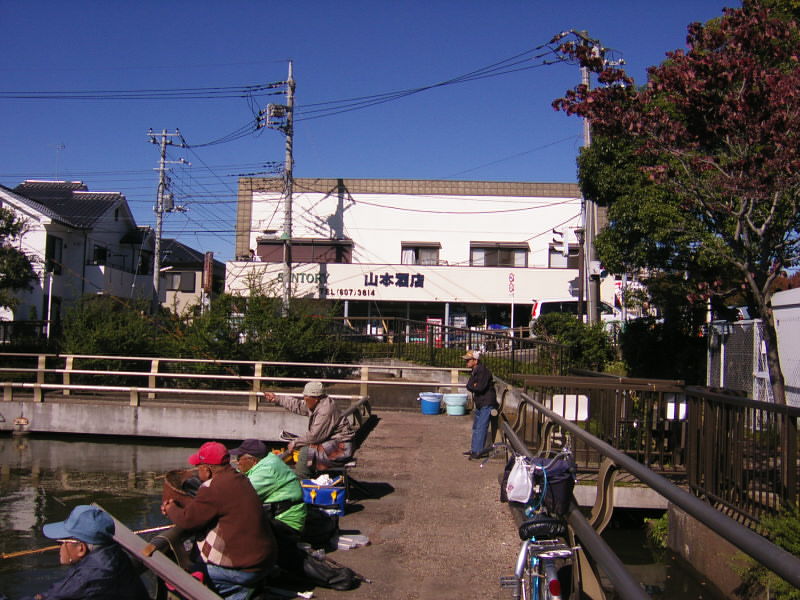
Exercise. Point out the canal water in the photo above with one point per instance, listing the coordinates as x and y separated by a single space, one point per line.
43 478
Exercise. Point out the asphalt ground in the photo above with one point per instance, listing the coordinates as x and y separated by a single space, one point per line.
436 526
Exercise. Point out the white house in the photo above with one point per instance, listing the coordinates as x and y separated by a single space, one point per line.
81 242
189 278
471 253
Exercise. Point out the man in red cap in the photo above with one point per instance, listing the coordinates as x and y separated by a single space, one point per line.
234 540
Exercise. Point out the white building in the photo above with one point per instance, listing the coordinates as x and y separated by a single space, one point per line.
80 242
467 252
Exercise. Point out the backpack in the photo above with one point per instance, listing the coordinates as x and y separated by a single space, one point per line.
325 574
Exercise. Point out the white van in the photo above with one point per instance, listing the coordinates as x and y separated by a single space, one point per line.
570 305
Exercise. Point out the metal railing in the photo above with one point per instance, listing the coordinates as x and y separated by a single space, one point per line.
759 548
145 378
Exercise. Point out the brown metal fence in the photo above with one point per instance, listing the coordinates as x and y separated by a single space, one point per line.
739 454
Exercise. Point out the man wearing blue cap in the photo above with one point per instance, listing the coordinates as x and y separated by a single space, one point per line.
99 568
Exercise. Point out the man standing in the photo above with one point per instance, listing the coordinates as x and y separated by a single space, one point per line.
234 540
329 439
99 568
484 399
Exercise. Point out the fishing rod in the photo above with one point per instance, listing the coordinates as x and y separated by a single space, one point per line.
4 555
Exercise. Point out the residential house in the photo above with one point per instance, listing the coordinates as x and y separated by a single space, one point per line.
188 278
81 242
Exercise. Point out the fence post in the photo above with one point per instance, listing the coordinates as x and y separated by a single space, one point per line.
134 396
151 380
68 366
363 390
454 376
8 391
789 460
253 399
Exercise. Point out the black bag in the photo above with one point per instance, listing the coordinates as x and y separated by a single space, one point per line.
320 527
325 574
553 487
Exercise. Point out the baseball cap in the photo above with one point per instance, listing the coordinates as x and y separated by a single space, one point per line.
210 453
472 354
314 388
252 447
85 523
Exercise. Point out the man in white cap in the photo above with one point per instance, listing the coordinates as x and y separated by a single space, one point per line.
329 439
484 397
99 567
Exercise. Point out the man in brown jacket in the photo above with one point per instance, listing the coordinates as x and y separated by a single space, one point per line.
329 439
234 540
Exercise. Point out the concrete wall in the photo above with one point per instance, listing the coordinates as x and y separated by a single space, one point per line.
704 550
151 421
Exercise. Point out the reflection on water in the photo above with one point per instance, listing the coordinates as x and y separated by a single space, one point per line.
42 479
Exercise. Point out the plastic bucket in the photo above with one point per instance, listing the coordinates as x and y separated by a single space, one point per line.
455 403
430 403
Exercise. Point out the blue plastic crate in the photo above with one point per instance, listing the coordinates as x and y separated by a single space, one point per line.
332 498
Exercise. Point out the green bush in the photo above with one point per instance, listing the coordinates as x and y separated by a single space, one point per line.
591 344
782 530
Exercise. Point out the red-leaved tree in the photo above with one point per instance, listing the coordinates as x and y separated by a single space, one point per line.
718 127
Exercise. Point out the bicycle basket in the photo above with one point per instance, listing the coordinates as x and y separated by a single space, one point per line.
553 487
542 527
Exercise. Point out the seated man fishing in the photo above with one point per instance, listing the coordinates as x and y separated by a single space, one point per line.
99 568
235 542
276 484
329 439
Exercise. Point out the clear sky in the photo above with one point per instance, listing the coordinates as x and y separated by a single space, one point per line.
497 128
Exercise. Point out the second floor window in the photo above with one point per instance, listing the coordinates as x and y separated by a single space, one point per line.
180 281
498 254
99 255
420 253
53 254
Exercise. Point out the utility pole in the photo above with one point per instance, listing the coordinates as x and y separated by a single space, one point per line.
289 181
590 229
164 203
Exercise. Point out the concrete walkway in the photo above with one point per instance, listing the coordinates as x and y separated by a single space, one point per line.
438 529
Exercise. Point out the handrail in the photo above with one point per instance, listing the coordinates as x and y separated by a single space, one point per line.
626 586
762 550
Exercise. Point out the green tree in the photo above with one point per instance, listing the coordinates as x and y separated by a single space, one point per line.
716 132
16 270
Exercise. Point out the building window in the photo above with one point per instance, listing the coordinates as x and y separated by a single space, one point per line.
99 255
180 281
557 260
420 253
53 254
498 254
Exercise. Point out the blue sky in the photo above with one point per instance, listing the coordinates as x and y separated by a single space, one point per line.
498 128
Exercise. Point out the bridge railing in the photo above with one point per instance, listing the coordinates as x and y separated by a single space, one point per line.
527 410
148 378
742 455
644 419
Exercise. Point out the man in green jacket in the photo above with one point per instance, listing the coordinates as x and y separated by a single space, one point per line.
275 483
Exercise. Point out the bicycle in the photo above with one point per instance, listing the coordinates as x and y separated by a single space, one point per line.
543 569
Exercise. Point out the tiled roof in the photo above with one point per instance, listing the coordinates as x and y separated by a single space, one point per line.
174 253
68 201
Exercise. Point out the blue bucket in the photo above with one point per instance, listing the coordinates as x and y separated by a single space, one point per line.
430 403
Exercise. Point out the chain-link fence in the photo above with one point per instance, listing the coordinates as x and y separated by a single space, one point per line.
737 358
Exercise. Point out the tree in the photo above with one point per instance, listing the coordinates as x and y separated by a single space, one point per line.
16 270
715 132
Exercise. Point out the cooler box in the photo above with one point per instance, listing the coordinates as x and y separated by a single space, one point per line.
331 498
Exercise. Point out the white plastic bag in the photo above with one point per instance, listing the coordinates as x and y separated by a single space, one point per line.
519 485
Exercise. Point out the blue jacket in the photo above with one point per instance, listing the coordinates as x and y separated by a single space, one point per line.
106 573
